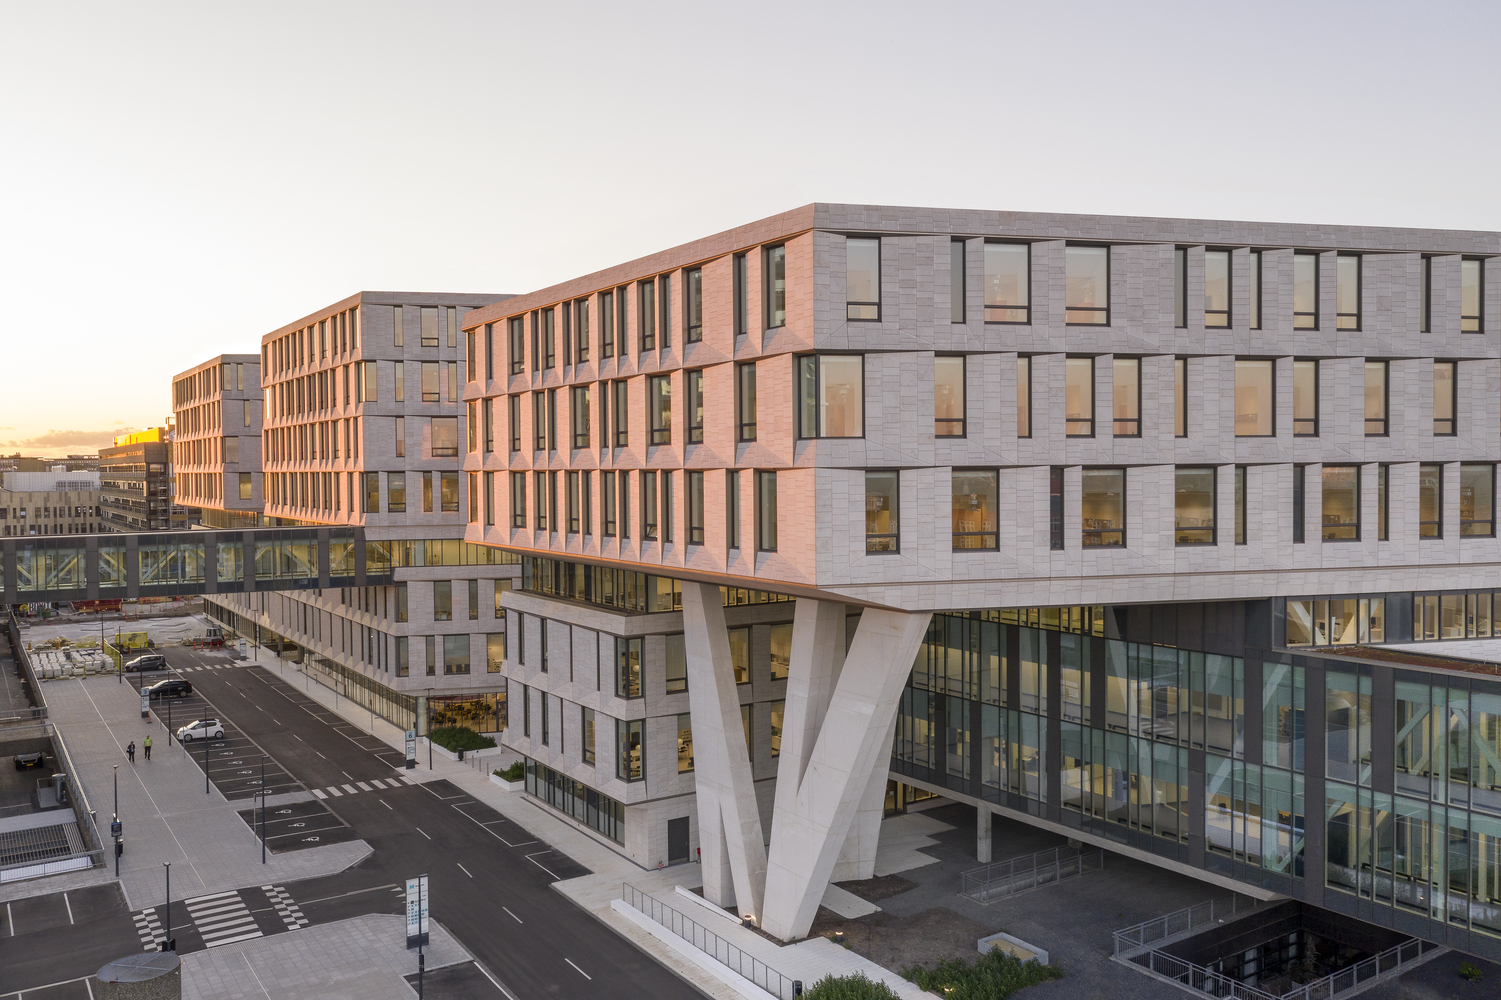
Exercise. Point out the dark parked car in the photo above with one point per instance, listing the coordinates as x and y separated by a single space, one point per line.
25 760
176 687
150 661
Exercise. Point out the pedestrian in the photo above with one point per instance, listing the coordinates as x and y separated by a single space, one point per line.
148 748
130 751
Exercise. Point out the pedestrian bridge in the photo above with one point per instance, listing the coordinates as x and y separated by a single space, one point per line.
167 563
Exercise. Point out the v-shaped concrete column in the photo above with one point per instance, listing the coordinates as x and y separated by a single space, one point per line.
729 823
836 730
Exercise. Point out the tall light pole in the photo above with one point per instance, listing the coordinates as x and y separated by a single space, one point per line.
167 945
429 735
114 826
263 808
205 760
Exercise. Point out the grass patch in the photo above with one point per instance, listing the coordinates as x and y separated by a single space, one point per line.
852 987
456 738
515 772
998 974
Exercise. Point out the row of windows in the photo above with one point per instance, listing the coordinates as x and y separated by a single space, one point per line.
230 377
80 528
338 334
326 491
210 416
208 485
320 390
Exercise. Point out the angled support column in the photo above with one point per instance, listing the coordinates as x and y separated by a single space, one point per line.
857 861
729 823
831 746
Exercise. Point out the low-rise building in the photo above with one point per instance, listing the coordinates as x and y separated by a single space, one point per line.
49 503
135 478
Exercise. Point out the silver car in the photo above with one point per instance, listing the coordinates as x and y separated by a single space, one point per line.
203 729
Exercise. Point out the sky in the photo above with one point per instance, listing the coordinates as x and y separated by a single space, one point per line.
180 178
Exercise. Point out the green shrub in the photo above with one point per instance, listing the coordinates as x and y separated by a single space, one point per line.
996 975
852 987
1470 972
456 738
515 772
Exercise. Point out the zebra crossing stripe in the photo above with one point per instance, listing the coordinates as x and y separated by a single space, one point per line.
286 907
222 918
150 930
319 793
364 787
333 790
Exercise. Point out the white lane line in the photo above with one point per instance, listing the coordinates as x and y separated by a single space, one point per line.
513 916
577 969
421 831
385 803
347 775
533 859
10 919
463 869
320 755
508 993
70 907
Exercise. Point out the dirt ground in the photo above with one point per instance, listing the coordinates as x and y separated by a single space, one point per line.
898 942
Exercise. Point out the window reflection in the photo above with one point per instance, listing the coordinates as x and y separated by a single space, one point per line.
948 397
1253 398
1087 285
1104 507
1341 503
1193 507
881 512
1078 397
974 509
1007 298
1216 288
863 279
1305 291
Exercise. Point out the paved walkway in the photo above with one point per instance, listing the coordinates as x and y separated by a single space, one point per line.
167 817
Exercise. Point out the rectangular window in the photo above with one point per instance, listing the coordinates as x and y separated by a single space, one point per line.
516 344
539 499
1180 397
398 327
581 329
1444 384
1216 288
862 279
607 324
245 487
695 499
685 743
1375 399
628 668
774 268
623 501
1430 501
448 492
745 400
1180 288
372 492
573 501
442 600
400 381
693 304
659 408
473 600
732 509
1305 399
1471 295
1008 283
430 389
396 492
1305 291
1104 507
567 312
456 656
1299 475
956 282
831 395
1055 508
622 413
668 507
513 421
1383 477
664 306
695 379
607 501
1347 292
766 511
579 414
677 664
1193 506
586 741
1254 416
489 353
549 342
1477 499
1126 395
489 497
486 432
1078 397
1087 286
1240 505
649 506
741 268
399 436
881 512
429 326
1023 397
948 395
470 354
740 654
646 314
444 436
974 501
1341 511
539 421
630 756
1253 291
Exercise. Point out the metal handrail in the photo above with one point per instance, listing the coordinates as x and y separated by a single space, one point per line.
1006 878
1147 932
706 941
81 810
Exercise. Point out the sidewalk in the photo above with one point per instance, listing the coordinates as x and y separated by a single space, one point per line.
166 815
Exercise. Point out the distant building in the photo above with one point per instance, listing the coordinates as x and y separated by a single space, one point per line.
135 479
48 503
217 443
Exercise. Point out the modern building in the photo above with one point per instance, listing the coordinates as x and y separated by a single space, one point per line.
49 503
217 440
1103 524
360 420
135 477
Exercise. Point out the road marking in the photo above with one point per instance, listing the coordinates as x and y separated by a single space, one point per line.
533 859
463 869
513 916
335 790
508 993
364 787
385 803
421 831
149 929
10 919
320 755
377 783
69 906
319 793
577 969
299 739
347 775
286 907
351 789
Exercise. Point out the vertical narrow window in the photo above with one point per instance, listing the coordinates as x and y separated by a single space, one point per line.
1008 283
622 316
427 491
1471 295
1180 397
398 327
429 315
399 380
732 509
1305 399
549 342
473 600
442 600
580 415
745 400
552 419
695 414
974 500
695 498
453 381
1430 501
607 324
471 355
1425 294
1347 292
693 304
1240 505
1253 290
1443 398
552 502
1341 508
516 344
774 268
581 329
539 499
1193 506
1298 504
536 343
1477 499
948 395
1103 508
669 507
586 742
881 533
1087 286
630 758
766 511
1375 399
1055 508
664 306
400 436
573 501
1078 397
1383 478
1254 416
567 312
1126 397
862 279
513 421
740 268
956 282
659 408
622 413
623 502
1180 288
628 668
831 395
607 501
1023 397
1305 291
646 314
1216 288
587 493
539 421
489 497
648 505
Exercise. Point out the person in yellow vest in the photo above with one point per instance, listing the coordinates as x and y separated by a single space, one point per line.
147 745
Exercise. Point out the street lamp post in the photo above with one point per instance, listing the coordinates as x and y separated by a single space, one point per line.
205 761
429 730
263 808
114 826
168 945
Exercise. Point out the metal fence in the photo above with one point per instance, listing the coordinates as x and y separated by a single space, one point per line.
1007 878
1149 932
706 941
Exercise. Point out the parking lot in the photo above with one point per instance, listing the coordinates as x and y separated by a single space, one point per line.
298 826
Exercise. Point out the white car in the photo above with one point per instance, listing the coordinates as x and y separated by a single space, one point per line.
202 729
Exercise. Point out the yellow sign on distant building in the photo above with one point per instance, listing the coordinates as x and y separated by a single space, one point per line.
151 436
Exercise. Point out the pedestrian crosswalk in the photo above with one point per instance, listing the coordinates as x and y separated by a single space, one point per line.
286 908
150 929
369 785
222 918
209 666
